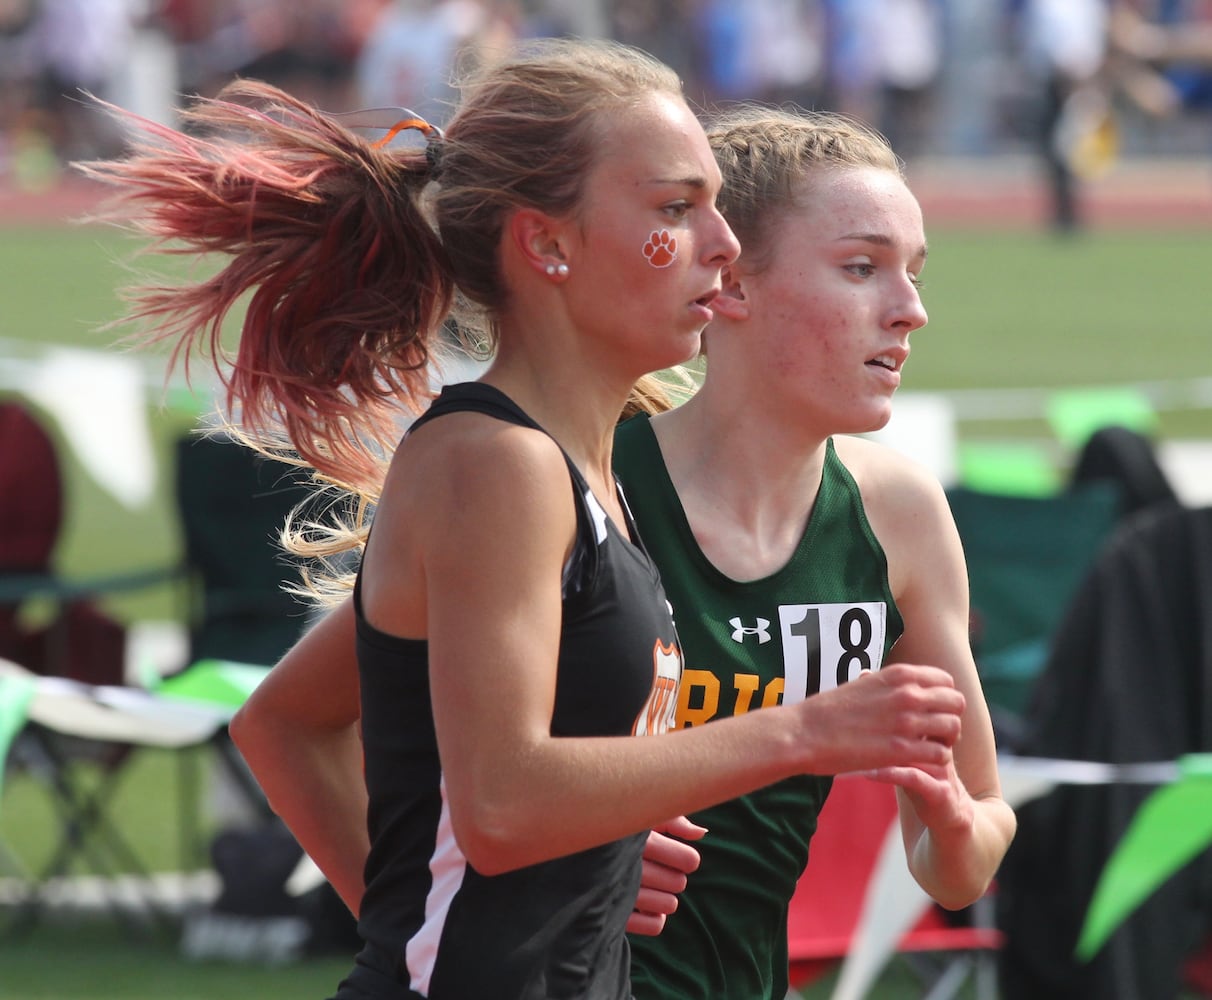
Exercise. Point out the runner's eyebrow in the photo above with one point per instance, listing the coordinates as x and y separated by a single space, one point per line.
880 240
695 181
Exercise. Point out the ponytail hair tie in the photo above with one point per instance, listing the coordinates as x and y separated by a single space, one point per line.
394 121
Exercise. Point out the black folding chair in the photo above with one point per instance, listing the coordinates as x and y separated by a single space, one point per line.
232 504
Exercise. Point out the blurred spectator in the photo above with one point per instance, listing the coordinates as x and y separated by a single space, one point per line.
851 64
1176 38
666 28
80 46
413 45
762 50
579 18
16 16
1063 47
883 61
305 46
908 38
950 76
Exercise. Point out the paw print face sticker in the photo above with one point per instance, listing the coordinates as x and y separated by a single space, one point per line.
661 248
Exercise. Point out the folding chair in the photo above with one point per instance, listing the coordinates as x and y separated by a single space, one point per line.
1026 556
859 831
47 623
232 504
60 711
52 626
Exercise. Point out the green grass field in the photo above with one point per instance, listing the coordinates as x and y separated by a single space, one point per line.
1008 310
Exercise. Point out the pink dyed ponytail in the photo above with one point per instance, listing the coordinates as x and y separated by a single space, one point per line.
345 278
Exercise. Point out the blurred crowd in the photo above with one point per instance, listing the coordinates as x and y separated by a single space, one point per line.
1058 78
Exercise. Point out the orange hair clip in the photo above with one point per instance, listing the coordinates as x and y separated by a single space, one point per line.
391 120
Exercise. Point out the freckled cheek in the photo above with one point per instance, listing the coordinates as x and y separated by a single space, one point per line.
813 331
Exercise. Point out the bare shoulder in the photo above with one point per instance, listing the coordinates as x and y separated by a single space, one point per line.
468 453
888 480
469 471
465 489
909 514
473 477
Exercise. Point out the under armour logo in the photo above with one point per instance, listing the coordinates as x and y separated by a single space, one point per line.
761 630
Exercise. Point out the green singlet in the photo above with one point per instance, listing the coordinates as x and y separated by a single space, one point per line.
815 623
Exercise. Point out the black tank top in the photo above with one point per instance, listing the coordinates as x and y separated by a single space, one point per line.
434 926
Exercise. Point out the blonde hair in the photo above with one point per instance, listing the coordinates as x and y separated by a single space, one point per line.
660 391
767 155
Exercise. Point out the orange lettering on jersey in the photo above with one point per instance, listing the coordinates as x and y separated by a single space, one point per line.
658 714
699 699
746 685
661 706
773 695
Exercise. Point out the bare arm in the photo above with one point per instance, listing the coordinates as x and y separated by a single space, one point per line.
299 734
1160 44
955 823
494 633
282 723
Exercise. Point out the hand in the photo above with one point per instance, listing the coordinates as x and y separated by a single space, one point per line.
666 864
901 716
935 792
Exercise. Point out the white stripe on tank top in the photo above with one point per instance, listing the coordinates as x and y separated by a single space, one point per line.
447 866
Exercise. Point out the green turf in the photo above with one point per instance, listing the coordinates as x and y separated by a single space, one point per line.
97 960
1026 309
144 796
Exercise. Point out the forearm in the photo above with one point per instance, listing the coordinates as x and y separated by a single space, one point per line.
1162 44
955 865
1191 44
313 781
603 789
299 733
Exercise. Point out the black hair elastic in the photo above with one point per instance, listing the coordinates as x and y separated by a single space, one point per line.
433 151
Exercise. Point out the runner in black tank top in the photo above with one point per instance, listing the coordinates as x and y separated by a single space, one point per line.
436 928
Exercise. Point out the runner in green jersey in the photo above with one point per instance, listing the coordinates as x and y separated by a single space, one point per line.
799 558
818 620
